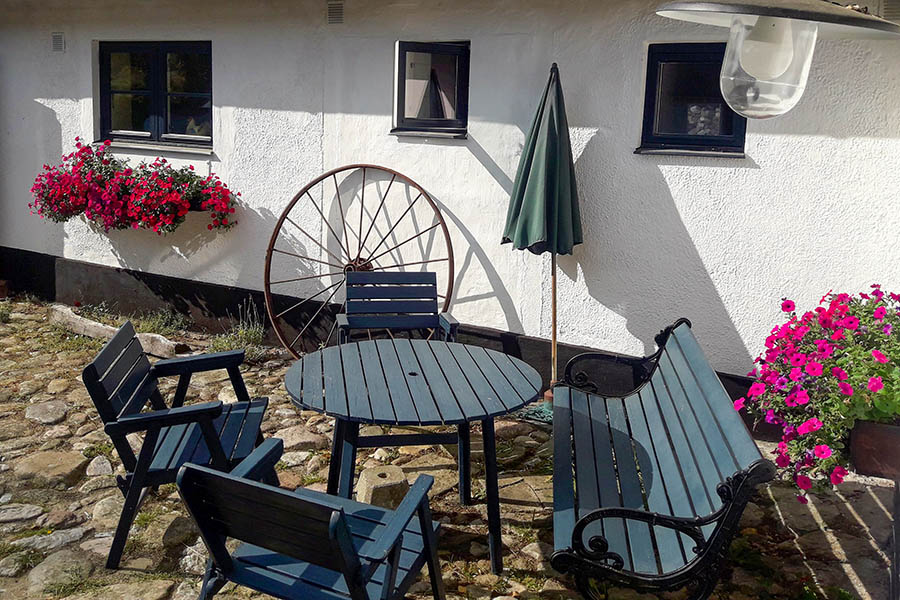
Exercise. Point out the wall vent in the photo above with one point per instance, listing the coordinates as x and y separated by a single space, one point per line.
57 41
890 10
335 10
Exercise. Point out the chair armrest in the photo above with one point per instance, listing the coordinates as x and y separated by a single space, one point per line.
164 418
389 537
343 327
196 364
261 460
449 324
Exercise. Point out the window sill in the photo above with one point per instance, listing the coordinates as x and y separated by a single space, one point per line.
711 153
457 134
157 147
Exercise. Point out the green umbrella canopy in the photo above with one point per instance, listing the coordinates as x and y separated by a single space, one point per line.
543 207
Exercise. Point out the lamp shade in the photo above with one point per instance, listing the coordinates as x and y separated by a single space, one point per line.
834 21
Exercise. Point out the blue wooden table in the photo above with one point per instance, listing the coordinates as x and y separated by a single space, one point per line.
414 382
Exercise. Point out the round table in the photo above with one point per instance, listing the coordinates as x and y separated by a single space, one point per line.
414 382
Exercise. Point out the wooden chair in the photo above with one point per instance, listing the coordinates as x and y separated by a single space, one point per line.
122 382
305 544
649 485
394 301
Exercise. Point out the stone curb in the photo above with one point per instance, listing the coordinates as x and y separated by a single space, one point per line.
153 343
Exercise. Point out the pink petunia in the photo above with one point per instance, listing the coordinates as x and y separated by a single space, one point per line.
837 335
757 389
809 426
814 368
837 476
739 404
879 313
880 357
822 451
787 306
801 397
801 498
845 388
782 460
839 373
875 384
798 359
887 329
796 374
803 482
850 322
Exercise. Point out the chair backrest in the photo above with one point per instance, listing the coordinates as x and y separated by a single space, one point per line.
120 382
225 506
393 300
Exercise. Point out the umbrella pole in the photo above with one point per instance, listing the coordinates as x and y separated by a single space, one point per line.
553 377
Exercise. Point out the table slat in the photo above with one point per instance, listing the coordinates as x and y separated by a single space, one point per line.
379 395
401 400
355 383
495 376
333 382
441 389
462 389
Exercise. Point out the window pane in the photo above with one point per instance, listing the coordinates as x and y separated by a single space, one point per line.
189 72
689 101
130 112
129 70
191 116
430 86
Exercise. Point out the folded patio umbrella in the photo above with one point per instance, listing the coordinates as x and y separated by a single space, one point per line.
543 207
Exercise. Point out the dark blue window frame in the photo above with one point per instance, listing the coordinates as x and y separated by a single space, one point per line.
455 128
157 92
654 143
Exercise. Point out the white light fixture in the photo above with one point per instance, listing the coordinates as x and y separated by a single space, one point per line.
770 46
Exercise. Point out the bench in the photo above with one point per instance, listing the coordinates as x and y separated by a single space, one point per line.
306 544
122 384
394 301
649 485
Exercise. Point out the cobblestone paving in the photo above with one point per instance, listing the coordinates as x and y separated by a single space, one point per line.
59 504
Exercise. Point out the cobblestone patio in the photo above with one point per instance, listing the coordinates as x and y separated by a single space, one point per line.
59 503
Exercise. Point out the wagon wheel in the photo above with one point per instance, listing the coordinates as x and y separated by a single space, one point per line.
354 218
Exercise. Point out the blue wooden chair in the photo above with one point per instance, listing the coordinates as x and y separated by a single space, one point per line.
394 301
306 544
122 383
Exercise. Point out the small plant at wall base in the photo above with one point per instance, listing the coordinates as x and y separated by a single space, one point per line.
822 371
93 183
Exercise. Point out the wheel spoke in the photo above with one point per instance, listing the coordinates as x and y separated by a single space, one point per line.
423 232
337 191
394 226
305 278
378 210
308 258
316 314
327 224
420 262
314 240
362 205
305 300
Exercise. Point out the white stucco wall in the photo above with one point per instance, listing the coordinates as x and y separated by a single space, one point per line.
812 207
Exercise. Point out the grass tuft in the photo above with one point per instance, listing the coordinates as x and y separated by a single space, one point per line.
5 312
62 340
163 321
248 334
98 449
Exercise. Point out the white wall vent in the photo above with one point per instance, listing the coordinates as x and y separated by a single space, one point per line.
57 41
890 10
335 12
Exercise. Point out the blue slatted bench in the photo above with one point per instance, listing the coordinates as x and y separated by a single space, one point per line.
649 486
304 544
123 386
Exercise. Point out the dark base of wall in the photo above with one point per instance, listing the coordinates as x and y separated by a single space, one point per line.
212 306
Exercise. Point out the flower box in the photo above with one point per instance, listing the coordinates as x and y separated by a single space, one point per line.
875 449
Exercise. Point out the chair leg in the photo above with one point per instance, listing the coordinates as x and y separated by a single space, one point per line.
213 582
132 502
430 550
464 458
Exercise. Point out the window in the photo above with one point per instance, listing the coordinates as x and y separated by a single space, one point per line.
432 89
684 112
156 91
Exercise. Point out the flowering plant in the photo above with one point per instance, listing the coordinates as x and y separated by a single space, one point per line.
821 371
94 183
